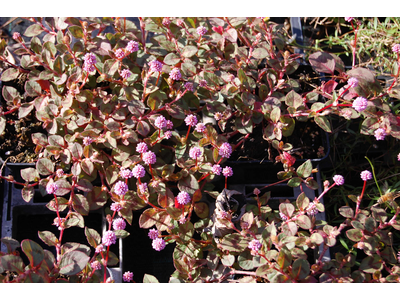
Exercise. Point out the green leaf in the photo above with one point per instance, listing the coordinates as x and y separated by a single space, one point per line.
3 122
27 193
171 59
300 269
148 218
370 264
260 53
304 222
10 243
48 238
33 251
76 31
294 182
228 260
234 243
33 30
9 74
45 166
316 238
305 169
201 209
12 263
188 184
284 258
73 262
354 234
302 201
121 234
30 174
149 279
287 209
80 204
323 122
189 51
93 237
110 66
346 211
293 99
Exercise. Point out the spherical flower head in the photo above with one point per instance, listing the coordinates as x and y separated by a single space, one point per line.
360 104
380 134
338 179
191 120
119 224
255 245
149 158
141 147
87 140
183 198
167 135
227 171
182 220
169 125
200 127
99 248
218 116
153 233
96 265
125 74
312 209
120 188
166 21
203 83
256 191
132 46
160 122
175 74
225 150
120 53
189 86
352 82
142 187
127 276
109 238
125 173
59 172
51 188
16 36
283 216
195 152
366 175
155 66
348 19
398 157
116 207
201 30
216 169
138 171
90 59
221 214
158 244
180 23
88 68
396 48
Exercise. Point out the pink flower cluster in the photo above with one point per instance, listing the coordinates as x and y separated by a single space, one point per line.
142 187
141 147
158 244
255 245
153 233
312 209
89 62
396 48
195 152
116 207
109 238
125 74
360 104
189 86
160 122
380 134
120 188
366 175
125 173
352 82
132 46
120 53
225 150
96 265
175 74
338 179
119 224
216 169
227 171
155 66
87 140
191 120
149 158
183 198
51 188
200 127
127 276
138 171
201 30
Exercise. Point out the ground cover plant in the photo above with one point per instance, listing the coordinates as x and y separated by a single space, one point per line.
146 118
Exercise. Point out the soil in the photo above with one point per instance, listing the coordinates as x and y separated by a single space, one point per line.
307 138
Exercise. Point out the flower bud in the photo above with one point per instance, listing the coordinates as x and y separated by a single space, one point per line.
66 39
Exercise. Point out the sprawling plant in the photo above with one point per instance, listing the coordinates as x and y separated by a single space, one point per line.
146 118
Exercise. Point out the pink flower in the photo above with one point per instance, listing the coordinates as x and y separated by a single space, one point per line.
169 125
125 74
87 140
255 245
360 104
175 74
256 191
366 175
189 86
120 188
116 207
398 157
119 224
352 82
158 244
166 21
153 233
396 48
120 53
109 238
138 171
312 209
99 248
127 276
221 214
155 66
195 152
160 122
348 19
90 59
283 216
132 46
216 169
191 120
380 134
142 187
141 147
218 116
167 135
180 23
125 173
51 188
183 198
149 158
225 150
338 179
227 171
203 83
16 36
200 127
201 30
59 172
96 265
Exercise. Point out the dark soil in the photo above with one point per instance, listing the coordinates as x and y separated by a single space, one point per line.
307 138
